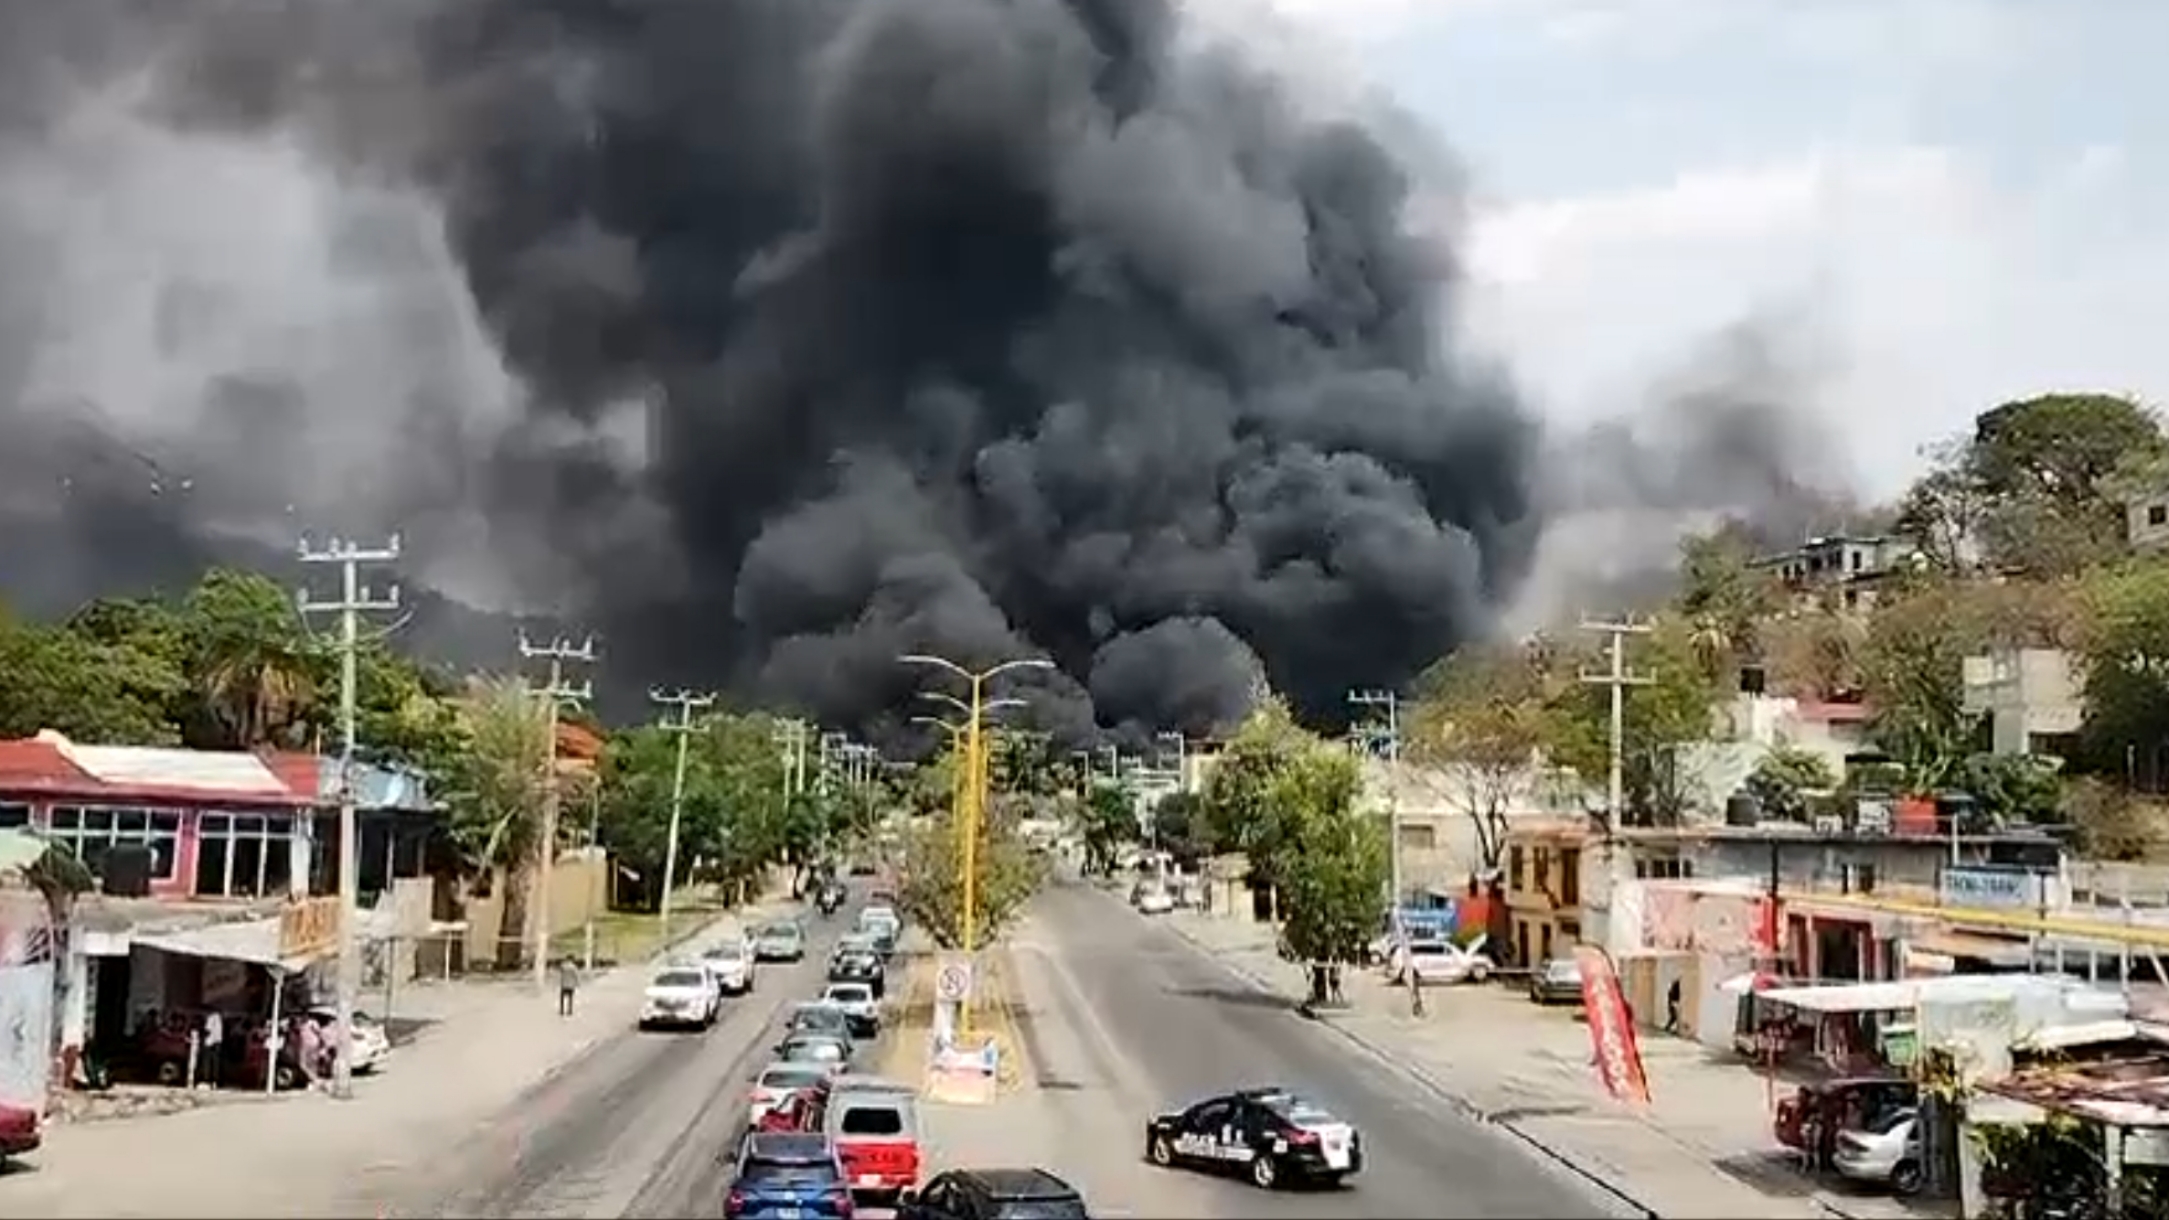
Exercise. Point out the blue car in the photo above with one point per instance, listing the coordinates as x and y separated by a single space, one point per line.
788 1176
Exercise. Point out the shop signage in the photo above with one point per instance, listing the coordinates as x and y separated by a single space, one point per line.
308 927
1991 887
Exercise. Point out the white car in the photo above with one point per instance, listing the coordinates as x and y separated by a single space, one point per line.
372 1045
777 1082
680 996
1155 900
1439 962
732 964
861 1010
1887 1154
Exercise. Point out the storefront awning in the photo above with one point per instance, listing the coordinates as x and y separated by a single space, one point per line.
1853 997
246 940
1994 950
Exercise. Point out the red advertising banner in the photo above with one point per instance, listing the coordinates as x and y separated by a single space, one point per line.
1611 1027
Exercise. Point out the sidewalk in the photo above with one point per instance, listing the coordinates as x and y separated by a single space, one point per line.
309 1153
1703 1147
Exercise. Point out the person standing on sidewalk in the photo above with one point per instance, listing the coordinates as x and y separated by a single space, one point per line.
214 1049
568 982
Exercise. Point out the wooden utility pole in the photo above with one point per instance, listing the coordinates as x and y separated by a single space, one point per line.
556 694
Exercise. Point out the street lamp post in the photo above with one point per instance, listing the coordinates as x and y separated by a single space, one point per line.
974 805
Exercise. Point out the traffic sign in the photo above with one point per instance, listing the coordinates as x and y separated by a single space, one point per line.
953 981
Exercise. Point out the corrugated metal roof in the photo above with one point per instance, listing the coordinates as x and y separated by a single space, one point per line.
200 770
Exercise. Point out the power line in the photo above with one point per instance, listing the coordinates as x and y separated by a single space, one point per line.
556 694
355 599
1388 735
685 703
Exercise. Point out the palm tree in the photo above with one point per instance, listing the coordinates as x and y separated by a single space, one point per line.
256 689
496 797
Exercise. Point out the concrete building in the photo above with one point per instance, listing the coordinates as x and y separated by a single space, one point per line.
1451 820
1839 569
1543 888
2146 520
2032 698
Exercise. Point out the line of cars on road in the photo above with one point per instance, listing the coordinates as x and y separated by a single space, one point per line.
823 1138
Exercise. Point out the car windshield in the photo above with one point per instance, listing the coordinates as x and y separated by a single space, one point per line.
1886 1123
781 931
726 953
1562 970
675 979
1427 948
787 1173
792 1079
812 1048
854 993
872 1120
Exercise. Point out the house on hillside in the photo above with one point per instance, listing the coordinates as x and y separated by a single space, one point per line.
1841 569
2033 699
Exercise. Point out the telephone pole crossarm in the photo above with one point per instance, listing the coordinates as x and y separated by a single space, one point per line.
556 694
355 599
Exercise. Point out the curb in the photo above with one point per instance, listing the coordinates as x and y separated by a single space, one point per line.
1456 1101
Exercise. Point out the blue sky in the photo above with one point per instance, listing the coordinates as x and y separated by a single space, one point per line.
1934 204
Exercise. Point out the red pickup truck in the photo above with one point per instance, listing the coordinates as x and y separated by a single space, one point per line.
875 1127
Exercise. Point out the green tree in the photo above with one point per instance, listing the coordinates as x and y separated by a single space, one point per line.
1181 829
1333 862
1481 722
1723 599
2123 659
494 796
249 661
1107 822
1786 779
1914 668
1007 874
51 678
2014 789
1242 807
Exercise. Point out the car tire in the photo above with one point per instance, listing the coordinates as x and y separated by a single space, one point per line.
1160 1152
284 1077
1264 1174
1905 1179
169 1072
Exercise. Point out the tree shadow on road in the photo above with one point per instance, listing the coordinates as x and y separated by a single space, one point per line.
1238 996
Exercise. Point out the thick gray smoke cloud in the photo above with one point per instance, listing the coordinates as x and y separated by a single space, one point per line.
775 337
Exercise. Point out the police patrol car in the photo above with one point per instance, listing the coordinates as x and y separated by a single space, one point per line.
1268 1135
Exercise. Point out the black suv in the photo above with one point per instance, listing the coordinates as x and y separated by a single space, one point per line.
858 968
993 1194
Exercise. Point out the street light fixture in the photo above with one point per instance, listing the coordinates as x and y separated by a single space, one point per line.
975 795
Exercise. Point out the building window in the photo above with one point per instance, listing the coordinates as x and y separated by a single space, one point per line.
14 817
2157 514
242 855
1419 836
1664 868
1570 876
1513 867
91 833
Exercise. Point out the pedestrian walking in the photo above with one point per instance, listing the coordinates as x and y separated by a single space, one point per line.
1671 1008
568 982
214 1049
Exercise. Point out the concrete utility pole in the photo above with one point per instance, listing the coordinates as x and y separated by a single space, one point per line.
355 599
555 695
685 703
1388 735
1618 678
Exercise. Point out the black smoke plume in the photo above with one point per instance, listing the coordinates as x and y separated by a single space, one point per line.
832 330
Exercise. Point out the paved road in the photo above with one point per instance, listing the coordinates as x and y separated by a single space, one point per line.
1172 1024
640 1126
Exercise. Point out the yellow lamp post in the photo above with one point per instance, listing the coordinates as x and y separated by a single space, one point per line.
972 808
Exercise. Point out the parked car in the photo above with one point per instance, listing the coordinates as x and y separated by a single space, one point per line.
788 1175
857 966
372 1045
993 1194
779 1081
1885 1153
1558 981
820 1017
781 941
1814 1115
21 1130
680 996
1440 962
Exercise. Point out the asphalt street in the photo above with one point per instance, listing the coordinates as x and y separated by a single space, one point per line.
642 1125
1171 1025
